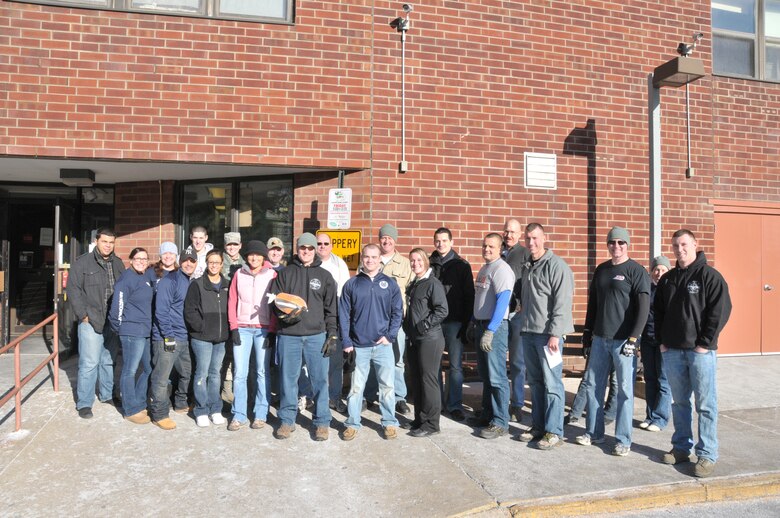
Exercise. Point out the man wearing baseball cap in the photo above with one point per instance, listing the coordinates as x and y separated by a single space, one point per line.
275 253
309 335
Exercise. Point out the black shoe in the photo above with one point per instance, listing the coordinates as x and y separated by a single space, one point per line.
570 419
85 413
516 414
457 415
406 425
420 432
478 422
401 407
492 432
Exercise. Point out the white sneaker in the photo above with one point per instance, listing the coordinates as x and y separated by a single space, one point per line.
644 424
217 419
202 421
587 440
652 427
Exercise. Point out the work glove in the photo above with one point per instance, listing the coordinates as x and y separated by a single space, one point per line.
587 341
486 342
329 346
629 347
235 337
270 341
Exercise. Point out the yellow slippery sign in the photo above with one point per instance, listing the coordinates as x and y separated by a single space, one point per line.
346 244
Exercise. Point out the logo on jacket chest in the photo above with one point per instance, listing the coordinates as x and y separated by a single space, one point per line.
315 284
693 287
619 278
383 285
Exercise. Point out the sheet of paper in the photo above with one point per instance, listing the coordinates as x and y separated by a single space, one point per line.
553 359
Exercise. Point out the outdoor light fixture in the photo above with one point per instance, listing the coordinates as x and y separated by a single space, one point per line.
677 72
401 24
77 177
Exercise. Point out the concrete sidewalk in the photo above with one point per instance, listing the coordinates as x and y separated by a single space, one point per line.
60 464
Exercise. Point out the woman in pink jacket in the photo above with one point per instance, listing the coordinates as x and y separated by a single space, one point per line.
251 321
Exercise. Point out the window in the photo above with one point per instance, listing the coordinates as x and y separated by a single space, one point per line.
258 209
273 11
746 38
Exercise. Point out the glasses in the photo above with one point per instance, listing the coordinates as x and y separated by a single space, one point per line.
307 248
214 262
323 244
616 242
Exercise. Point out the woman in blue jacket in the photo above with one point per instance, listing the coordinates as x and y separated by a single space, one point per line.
131 319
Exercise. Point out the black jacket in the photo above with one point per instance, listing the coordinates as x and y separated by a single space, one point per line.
87 285
316 286
692 305
426 308
455 275
205 310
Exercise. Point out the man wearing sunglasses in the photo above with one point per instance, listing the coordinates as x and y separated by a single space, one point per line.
305 336
340 272
618 304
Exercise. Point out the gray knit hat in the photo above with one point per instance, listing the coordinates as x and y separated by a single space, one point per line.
307 239
660 260
619 233
388 230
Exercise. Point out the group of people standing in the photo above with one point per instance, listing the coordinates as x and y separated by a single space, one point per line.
315 322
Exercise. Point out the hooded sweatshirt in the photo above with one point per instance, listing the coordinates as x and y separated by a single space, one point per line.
316 286
692 306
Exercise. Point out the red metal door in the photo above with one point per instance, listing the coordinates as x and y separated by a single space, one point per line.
740 265
770 284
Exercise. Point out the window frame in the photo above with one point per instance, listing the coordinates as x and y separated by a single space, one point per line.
210 10
759 39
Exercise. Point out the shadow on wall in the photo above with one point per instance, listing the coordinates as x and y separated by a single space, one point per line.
582 142
312 222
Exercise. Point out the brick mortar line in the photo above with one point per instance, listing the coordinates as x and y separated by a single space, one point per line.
737 487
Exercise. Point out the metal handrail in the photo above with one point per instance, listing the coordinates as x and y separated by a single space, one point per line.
19 383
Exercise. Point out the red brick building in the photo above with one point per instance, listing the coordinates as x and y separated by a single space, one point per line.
244 124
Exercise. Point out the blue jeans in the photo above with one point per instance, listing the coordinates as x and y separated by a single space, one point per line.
293 350
516 362
163 364
136 351
658 395
253 339
492 370
548 395
207 382
694 373
452 392
382 358
605 355
372 388
97 354
581 398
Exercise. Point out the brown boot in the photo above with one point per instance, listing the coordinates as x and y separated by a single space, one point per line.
140 418
166 423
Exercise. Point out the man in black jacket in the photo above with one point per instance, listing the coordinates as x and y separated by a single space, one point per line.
90 287
310 336
692 305
454 272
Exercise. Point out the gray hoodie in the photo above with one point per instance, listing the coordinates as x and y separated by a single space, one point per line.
546 291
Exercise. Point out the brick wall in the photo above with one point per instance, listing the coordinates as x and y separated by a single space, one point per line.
485 82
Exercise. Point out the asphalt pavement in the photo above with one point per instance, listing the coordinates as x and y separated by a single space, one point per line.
61 464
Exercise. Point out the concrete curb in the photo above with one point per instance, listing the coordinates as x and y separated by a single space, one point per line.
717 489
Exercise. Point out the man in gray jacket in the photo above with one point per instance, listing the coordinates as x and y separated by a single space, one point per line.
545 303
90 287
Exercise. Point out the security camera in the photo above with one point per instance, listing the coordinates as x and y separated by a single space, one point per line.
397 24
697 36
686 49
408 8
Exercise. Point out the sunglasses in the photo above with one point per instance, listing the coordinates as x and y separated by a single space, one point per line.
323 244
309 248
616 242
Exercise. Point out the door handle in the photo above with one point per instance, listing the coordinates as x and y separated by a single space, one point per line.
768 287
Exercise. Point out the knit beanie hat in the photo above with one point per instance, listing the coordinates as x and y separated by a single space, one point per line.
388 230
620 234
660 260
